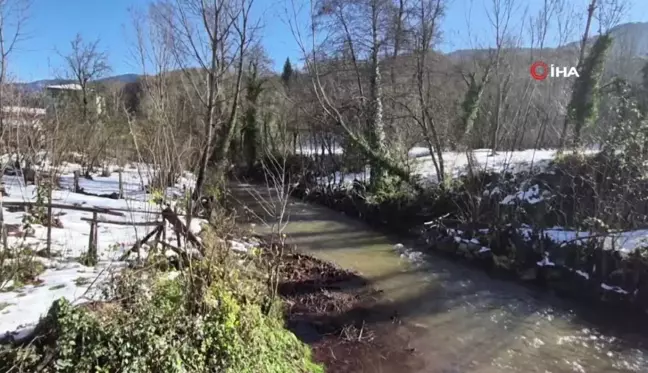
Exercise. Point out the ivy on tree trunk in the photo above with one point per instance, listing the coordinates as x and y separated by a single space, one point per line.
583 106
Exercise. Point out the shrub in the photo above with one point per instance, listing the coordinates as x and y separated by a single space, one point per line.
195 322
18 267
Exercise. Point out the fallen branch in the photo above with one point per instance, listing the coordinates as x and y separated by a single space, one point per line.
141 242
181 229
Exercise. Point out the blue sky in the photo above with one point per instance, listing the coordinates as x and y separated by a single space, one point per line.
53 23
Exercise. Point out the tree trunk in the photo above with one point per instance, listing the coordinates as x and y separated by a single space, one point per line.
229 131
210 124
581 58
377 126
377 129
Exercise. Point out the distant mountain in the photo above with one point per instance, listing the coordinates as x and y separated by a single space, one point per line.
124 78
39 85
629 52
629 39
627 56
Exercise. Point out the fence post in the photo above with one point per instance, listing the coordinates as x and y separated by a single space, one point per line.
76 181
3 231
49 220
190 208
96 232
92 241
121 185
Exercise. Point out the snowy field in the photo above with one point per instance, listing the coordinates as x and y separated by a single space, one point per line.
21 307
456 163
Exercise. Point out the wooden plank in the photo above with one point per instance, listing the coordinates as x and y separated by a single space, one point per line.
142 211
137 224
137 211
99 210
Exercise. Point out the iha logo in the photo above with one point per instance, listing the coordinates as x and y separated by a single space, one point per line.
540 71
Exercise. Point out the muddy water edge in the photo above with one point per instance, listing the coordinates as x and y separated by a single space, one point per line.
452 318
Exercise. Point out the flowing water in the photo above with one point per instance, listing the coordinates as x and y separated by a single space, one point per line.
461 320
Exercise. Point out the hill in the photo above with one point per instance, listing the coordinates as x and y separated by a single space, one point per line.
39 85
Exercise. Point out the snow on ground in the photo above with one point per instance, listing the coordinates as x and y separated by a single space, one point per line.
529 195
625 242
21 308
456 163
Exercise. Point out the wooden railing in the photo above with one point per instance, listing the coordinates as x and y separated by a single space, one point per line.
167 215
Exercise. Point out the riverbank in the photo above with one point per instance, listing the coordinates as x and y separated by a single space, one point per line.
330 309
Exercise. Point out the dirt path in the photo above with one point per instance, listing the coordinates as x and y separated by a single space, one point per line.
449 318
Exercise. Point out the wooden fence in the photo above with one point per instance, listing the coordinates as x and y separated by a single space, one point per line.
167 215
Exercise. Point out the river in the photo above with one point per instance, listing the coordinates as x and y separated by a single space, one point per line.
461 320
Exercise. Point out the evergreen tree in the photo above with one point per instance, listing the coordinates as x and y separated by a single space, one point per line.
251 126
287 72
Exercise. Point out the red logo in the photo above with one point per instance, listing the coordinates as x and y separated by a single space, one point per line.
539 70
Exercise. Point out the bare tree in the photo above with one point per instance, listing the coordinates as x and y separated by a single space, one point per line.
209 40
500 18
13 17
610 13
427 18
165 131
85 63
358 35
360 30
581 57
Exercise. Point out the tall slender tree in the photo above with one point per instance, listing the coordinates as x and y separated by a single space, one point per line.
583 106
581 57
287 72
254 87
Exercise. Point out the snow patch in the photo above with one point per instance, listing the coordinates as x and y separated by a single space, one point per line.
64 277
583 274
530 195
615 289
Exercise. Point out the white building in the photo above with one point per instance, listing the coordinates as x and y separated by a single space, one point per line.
60 93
